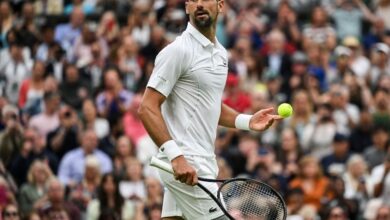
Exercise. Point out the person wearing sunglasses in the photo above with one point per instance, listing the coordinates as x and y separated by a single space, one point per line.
11 212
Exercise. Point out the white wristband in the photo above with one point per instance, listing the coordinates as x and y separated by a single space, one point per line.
242 121
171 150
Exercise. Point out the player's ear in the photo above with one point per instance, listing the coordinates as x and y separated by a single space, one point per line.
186 2
221 5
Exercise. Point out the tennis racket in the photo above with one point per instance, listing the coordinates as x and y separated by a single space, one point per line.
241 198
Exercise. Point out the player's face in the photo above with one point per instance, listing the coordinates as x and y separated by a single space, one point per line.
204 13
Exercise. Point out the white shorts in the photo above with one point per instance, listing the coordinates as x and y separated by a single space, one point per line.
191 202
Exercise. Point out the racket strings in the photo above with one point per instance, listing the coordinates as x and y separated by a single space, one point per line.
249 200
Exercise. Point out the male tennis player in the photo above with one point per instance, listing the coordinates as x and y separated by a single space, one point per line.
182 108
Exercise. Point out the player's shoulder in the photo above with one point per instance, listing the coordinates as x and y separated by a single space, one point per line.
180 47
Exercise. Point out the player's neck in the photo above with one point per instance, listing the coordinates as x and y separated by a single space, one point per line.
208 32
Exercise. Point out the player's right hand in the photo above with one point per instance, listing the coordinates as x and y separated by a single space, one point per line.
183 172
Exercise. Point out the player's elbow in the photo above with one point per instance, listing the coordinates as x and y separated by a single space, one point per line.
144 110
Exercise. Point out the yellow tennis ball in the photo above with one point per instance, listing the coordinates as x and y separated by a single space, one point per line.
285 110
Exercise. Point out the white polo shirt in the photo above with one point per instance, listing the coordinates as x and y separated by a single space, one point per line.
191 73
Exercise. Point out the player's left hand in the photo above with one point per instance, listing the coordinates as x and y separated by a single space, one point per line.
263 119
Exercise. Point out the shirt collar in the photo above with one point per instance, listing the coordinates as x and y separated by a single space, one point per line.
199 36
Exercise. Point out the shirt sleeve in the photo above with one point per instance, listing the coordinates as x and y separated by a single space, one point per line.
169 66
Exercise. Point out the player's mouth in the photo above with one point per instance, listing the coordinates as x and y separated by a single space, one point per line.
202 14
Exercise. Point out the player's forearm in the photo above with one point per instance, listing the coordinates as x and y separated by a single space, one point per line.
154 123
228 116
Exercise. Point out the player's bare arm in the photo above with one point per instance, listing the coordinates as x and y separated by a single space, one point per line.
259 121
150 114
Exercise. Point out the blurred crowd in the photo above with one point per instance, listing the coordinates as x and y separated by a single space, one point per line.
72 74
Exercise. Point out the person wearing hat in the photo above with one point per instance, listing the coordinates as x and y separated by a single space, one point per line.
234 97
359 64
337 73
298 70
334 163
381 63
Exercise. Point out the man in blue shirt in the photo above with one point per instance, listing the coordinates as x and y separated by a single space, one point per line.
72 165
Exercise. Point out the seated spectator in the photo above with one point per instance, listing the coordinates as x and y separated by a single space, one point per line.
376 153
6 195
334 163
132 124
11 212
82 48
132 186
48 120
56 207
311 181
32 88
130 62
66 136
337 213
71 170
108 28
114 100
358 63
14 70
381 64
358 184
345 114
303 113
66 34
33 216
92 121
289 153
43 50
319 31
317 137
11 138
74 89
381 179
109 198
32 194
361 136
124 150
86 190
138 23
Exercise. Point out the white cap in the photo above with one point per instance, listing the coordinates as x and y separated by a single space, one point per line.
382 47
342 51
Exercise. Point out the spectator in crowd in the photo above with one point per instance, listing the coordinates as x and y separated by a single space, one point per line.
381 180
382 11
108 28
43 49
66 136
11 137
234 96
359 64
114 100
337 213
334 163
32 88
109 198
92 121
7 20
48 120
376 153
319 31
32 194
33 148
361 136
156 43
132 186
66 34
358 185
383 213
311 180
124 151
56 207
139 24
74 89
71 169
11 212
381 63
289 153
85 191
287 22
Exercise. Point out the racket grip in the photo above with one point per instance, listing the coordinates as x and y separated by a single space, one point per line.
155 162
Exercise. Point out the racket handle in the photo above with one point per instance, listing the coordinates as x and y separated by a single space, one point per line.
155 162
